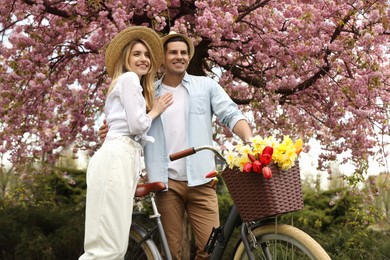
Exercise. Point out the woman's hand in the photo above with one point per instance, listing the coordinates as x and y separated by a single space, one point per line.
160 104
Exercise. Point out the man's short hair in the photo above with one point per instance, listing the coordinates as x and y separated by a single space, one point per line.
175 37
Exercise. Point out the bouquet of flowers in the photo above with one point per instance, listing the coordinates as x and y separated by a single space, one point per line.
259 152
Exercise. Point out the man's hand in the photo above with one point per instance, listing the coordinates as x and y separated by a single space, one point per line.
103 130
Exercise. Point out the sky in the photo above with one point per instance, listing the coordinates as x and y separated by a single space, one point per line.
308 165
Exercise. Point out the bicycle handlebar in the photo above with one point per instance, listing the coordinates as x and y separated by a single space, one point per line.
182 154
193 150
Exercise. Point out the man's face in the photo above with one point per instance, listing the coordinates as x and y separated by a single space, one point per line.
176 58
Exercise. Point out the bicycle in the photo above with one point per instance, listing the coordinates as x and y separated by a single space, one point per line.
261 239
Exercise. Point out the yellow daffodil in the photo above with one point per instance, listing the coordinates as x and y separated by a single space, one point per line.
230 158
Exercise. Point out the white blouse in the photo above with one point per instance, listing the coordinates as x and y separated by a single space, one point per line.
125 109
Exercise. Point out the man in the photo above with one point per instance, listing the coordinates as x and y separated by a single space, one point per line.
188 123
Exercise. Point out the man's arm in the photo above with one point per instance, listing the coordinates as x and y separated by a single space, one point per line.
243 130
103 130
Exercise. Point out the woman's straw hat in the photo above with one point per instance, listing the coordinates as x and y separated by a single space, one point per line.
120 41
188 41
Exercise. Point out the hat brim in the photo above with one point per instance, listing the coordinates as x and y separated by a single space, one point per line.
187 39
123 38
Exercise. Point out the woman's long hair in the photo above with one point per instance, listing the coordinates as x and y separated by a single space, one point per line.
147 81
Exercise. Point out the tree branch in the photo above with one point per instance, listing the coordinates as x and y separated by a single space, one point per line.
245 11
50 9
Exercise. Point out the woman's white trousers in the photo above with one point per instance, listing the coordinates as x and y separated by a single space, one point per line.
112 177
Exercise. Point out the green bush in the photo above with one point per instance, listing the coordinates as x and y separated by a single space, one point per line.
341 222
50 223
30 233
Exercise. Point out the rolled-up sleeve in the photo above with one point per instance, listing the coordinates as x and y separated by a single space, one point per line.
223 106
134 103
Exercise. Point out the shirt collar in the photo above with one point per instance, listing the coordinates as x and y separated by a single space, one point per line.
186 79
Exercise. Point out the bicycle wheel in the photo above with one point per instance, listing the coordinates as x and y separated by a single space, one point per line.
140 248
281 242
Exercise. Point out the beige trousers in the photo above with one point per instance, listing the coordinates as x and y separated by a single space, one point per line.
201 205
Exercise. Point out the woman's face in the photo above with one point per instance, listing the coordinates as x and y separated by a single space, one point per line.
139 59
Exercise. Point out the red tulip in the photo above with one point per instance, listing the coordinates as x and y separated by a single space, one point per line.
212 174
257 166
265 159
247 167
267 172
251 157
268 150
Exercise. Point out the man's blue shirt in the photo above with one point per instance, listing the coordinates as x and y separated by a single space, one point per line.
206 98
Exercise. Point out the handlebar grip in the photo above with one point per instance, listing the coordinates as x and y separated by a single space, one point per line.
182 154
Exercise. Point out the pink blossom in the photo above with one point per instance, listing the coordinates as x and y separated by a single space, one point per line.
291 65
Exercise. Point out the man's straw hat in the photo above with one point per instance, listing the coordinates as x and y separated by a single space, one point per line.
188 40
120 41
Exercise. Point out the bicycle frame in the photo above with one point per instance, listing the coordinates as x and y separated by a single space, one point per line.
221 242
157 215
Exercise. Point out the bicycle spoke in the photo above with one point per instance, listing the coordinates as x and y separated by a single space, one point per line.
285 243
279 250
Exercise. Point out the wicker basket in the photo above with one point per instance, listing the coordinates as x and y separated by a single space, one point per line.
257 198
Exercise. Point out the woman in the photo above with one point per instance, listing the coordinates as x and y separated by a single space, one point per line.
132 60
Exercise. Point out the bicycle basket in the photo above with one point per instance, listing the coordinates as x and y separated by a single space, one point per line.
257 198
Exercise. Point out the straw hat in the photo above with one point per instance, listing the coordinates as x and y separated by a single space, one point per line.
188 40
120 41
